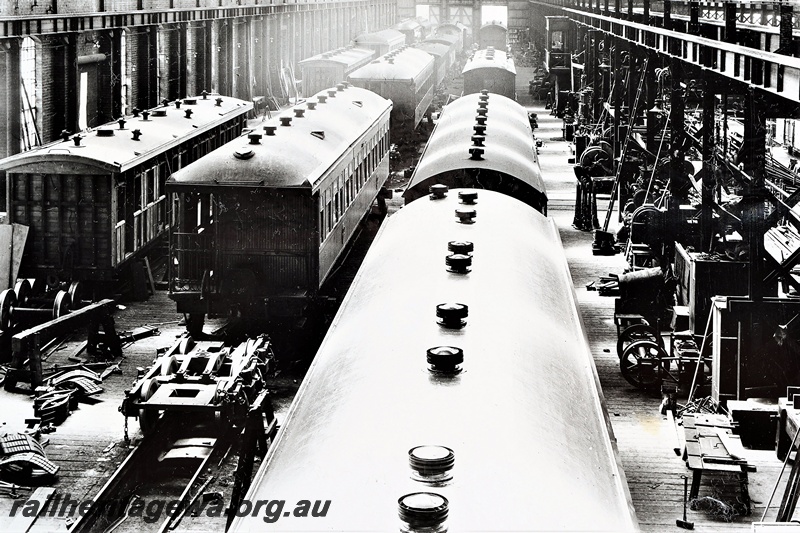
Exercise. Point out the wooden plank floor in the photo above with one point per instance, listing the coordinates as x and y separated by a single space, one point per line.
644 437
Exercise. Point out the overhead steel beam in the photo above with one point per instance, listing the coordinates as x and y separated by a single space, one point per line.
776 74
48 24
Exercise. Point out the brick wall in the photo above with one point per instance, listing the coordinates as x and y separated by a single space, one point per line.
53 89
119 6
45 7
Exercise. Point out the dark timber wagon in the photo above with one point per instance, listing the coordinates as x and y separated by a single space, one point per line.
95 201
261 221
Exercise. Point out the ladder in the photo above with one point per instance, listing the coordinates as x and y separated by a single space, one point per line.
625 144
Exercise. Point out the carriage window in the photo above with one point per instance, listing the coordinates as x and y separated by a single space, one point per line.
321 218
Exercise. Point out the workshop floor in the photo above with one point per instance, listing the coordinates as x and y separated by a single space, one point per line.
644 437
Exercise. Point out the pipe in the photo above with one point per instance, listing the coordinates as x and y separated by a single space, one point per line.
91 59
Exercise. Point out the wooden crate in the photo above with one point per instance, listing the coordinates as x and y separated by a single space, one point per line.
699 279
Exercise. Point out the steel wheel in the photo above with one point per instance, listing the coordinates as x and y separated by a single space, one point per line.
148 418
640 363
8 299
169 365
637 332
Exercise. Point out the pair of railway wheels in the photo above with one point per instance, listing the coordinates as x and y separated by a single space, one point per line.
643 360
24 302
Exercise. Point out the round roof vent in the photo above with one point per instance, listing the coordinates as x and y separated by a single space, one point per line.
431 464
452 315
245 152
466 216
461 247
476 154
422 510
458 263
468 197
438 191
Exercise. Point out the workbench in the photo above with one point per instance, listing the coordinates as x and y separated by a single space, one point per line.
711 446
788 424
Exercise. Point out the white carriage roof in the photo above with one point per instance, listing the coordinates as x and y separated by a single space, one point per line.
388 37
490 58
297 154
508 144
348 56
369 397
108 148
406 63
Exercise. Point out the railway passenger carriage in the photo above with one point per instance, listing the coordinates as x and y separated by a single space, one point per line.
468 423
412 30
457 30
482 141
382 42
493 34
492 70
442 58
330 68
94 201
260 224
406 77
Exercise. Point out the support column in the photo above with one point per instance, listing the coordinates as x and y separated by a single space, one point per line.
754 149
678 180
595 75
730 22
117 68
706 212
10 111
616 97
72 81
648 101
786 45
694 18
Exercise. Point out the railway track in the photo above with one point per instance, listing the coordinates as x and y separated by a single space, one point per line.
177 479
205 413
